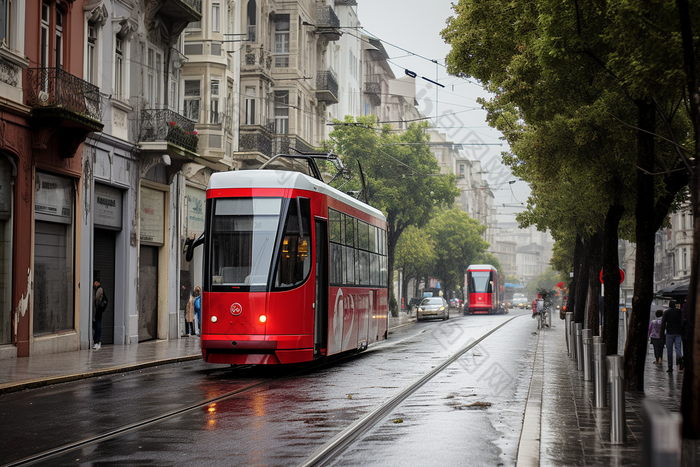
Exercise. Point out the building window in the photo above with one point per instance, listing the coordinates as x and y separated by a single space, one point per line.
215 15
58 41
192 99
45 25
282 41
91 60
251 21
119 68
214 94
5 16
282 112
250 105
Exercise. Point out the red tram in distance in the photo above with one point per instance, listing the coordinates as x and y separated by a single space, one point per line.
294 269
484 290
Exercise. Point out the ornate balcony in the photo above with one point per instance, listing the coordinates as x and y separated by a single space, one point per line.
166 130
327 23
62 101
174 15
256 61
255 143
373 89
327 87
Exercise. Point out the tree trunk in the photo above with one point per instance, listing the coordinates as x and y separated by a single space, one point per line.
595 263
690 398
611 278
578 254
636 350
581 278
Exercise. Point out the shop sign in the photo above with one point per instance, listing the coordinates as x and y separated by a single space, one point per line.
152 216
53 198
108 207
195 211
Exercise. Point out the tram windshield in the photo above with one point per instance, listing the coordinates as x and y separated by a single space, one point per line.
242 239
480 282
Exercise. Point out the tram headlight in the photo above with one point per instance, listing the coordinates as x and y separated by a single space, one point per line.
214 319
263 318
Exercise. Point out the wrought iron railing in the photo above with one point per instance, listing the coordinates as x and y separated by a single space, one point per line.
170 126
55 87
326 17
326 81
255 142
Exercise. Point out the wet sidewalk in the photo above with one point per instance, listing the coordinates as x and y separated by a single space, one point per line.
17 374
572 431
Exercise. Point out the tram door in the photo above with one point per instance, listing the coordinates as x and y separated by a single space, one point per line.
103 271
148 293
321 298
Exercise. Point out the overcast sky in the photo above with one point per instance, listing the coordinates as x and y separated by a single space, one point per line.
415 25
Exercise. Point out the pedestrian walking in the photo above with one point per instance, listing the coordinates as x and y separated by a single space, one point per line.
672 327
198 309
656 337
100 305
189 316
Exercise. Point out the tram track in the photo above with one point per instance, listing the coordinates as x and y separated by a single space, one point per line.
324 455
336 446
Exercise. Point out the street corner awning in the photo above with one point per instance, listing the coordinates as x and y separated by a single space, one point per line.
677 289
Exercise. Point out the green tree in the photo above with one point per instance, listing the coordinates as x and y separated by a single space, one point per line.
402 176
577 102
415 255
458 244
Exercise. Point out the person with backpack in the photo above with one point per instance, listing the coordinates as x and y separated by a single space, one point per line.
198 309
657 338
100 305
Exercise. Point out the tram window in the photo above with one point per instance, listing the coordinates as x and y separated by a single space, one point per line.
294 262
349 230
363 235
373 239
375 280
383 273
349 262
335 227
336 269
480 282
364 274
243 232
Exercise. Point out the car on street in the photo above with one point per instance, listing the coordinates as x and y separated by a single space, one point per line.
433 307
520 301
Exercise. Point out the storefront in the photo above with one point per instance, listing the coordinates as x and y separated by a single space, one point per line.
152 274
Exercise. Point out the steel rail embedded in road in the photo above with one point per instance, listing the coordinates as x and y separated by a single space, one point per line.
332 449
158 418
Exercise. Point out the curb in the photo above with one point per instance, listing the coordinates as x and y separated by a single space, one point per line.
41 382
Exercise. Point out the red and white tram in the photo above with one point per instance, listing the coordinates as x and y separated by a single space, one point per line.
294 270
484 289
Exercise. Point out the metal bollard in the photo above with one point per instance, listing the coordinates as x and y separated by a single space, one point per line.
599 373
662 444
568 318
617 399
573 340
549 317
579 346
586 336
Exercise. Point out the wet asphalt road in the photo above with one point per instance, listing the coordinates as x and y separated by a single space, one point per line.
469 414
